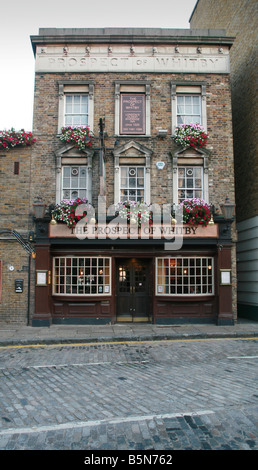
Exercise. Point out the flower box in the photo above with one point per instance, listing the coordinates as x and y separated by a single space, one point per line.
192 135
79 136
10 139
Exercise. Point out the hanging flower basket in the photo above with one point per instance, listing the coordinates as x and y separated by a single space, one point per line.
134 212
79 136
196 212
10 139
192 135
65 211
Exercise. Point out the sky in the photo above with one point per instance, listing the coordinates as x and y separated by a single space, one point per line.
21 19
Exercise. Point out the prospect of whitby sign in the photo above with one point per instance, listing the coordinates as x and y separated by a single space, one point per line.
79 62
124 231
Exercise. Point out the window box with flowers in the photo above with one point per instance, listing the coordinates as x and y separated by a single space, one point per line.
70 213
10 139
134 212
192 135
196 212
79 136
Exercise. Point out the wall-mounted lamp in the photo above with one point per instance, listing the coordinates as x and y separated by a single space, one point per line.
162 133
227 209
39 208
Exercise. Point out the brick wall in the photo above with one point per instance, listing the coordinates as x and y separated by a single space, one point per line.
221 175
15 214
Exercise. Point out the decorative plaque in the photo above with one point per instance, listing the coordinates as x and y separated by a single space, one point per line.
132 115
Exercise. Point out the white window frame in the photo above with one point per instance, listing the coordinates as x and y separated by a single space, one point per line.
87 276
191 158
122 157
134 87
184 269
72 87
192 115
188 88
133 188
194 189
79 114
75 188
68 156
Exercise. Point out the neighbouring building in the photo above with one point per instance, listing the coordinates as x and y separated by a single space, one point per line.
132 88
16 230
239 19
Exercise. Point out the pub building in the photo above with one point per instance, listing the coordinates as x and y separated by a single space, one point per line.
132 89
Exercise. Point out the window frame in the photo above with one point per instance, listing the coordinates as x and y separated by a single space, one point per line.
75 87
69 156
140 87
136 188
70 189
180 88
187 275
132 154
194 188
184 114
73 114
106 288
192 158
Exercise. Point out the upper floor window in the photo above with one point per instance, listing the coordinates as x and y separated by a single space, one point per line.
188 109
132 108
76 110
132 173
76 104
74 182
188 103
190 174
132 183
190 182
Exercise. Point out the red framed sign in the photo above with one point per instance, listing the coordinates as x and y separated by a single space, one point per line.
132 113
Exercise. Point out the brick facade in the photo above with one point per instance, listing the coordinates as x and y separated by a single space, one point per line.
15 172
40 177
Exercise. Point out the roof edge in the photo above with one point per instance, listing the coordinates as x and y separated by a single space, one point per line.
133 35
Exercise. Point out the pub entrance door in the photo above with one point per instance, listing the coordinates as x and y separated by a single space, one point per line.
133 291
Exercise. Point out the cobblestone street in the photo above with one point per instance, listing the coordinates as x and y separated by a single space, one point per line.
170 395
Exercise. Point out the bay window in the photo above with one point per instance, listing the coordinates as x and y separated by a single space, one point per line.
74 275
185 276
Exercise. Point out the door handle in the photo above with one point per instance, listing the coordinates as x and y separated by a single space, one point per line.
132 290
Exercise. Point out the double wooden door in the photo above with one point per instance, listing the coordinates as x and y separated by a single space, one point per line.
133 290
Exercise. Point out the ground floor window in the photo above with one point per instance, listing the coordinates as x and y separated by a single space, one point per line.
185 276
81 276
